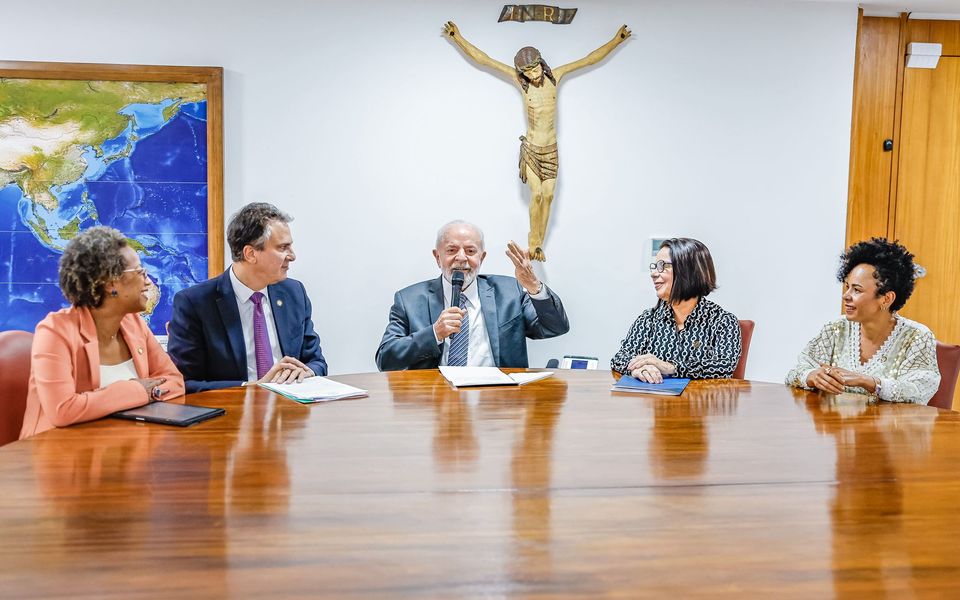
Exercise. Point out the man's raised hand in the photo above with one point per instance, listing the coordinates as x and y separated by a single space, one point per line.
524 269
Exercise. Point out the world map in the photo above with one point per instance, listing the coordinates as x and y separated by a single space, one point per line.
77 153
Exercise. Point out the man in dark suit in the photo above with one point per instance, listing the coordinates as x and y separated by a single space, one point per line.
251 323
489 328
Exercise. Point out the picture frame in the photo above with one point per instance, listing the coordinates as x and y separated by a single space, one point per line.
115 79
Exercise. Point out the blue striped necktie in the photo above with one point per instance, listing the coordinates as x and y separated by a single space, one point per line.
460 342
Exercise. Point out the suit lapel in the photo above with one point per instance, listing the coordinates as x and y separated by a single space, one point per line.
88 331
435 304
281 318
230 317
137 345
488 303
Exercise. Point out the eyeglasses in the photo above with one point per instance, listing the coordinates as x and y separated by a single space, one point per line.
660 266
140 271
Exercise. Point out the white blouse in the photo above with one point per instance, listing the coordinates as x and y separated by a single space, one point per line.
113 373
906 362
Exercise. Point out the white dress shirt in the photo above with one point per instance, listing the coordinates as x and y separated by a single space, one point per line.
245 306
479 353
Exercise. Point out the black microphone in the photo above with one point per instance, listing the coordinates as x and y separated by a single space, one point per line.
456 284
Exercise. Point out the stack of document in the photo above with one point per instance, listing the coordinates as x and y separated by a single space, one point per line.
477 376
671 386
315 389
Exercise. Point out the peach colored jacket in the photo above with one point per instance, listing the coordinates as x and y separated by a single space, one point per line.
65 371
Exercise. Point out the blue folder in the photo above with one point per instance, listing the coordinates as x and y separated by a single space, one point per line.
671 386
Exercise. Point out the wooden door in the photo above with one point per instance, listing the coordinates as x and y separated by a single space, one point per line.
912 193
927 211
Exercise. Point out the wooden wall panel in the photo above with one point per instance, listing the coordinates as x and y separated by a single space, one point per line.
927 211
928 194
874 106
937 32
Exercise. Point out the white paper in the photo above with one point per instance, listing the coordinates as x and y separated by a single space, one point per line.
316 389
525 378
469 376
476 376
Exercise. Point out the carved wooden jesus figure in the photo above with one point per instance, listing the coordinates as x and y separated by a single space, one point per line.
538 148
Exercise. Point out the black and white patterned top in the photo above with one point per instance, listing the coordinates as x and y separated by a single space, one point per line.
708 346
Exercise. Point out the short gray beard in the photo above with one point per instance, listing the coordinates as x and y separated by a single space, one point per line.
468 277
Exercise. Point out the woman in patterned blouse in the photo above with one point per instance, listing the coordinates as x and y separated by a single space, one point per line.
684 335
872 349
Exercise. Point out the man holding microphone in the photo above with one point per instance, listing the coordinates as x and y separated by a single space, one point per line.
492 318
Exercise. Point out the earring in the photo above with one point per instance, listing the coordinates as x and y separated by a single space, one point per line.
114 293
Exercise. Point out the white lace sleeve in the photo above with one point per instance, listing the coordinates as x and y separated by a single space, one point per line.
818 351
918 376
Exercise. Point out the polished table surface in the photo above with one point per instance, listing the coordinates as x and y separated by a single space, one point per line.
559 488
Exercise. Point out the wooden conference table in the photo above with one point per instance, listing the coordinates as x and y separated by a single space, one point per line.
556 489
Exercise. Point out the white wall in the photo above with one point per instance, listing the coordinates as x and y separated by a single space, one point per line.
725 121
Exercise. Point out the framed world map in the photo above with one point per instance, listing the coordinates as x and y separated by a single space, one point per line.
137 148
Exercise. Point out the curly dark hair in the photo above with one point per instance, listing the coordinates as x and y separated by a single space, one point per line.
89 261
693 273
893 264
250 226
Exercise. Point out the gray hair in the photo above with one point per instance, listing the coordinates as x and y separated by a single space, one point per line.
250 226
89 262
442 232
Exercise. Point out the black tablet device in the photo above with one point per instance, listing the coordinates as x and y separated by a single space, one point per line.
169 413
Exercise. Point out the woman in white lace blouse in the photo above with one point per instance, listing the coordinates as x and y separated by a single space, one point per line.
872 349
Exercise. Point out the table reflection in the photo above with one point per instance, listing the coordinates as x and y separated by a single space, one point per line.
530 469
257 472
133 488
141 486
881 452
455 444
680 440
532 416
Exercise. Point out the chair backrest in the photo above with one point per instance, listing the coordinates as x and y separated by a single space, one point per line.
746 334
14 376
948 360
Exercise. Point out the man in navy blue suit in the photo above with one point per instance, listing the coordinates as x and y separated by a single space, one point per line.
496 315
251 323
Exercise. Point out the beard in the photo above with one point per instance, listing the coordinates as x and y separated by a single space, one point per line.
469 276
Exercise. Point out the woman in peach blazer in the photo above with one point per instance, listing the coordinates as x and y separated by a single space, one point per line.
98 356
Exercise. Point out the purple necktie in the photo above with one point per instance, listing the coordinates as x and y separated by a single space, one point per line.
261 341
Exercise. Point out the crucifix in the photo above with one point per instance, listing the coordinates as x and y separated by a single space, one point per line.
538 148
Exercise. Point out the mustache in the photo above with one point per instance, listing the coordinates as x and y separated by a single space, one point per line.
466 269
468 275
